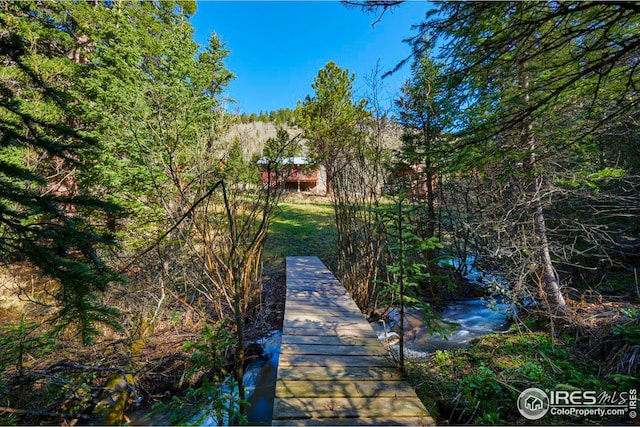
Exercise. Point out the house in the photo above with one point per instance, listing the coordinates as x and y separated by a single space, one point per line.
412 178
298 173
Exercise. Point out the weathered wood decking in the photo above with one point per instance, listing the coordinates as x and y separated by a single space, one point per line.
332 369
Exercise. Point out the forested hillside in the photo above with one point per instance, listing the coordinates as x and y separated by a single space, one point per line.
133 214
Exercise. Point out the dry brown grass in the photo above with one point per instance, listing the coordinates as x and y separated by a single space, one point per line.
11 305
598 326
23 291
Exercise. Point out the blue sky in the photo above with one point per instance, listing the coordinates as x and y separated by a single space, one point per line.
277 47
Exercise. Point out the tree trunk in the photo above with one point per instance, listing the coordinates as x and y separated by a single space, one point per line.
328 170
549 277
431 210
544 266
401 260
239 318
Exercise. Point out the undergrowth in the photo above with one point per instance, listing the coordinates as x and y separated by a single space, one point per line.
481 384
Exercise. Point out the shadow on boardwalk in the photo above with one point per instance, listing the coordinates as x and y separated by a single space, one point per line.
332 369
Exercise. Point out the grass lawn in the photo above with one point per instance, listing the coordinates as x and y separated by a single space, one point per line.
301 229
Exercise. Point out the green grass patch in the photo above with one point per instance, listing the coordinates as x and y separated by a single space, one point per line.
302 229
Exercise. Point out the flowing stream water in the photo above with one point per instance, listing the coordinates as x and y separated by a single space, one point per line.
474 317
260 379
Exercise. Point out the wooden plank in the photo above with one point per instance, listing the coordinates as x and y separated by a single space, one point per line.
316 287
313 282
328 318
349 407
315 290
339 331
338 315
333 350
330 340
323 306
296 322
332 314
326 321
303 360
316 303
343 388
318 292
317 300
332 369
323 297
344 319
322 373
380 421
301 296
328 309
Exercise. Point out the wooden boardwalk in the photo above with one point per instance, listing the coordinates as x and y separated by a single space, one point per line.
333 370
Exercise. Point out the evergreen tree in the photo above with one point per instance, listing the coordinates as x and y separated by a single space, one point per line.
536 82
539 88
421 162
420 113
331 119
46 216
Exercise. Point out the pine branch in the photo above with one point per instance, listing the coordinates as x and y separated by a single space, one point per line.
173 227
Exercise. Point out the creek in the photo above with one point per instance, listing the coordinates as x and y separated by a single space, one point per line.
259 379
473 317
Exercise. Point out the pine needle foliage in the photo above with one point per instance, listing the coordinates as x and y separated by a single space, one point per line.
45 219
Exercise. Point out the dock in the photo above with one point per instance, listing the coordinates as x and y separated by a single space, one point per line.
333 370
